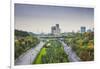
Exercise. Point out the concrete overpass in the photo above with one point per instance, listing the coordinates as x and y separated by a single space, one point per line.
50 37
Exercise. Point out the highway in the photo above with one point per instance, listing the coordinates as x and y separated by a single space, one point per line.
72 57
28 57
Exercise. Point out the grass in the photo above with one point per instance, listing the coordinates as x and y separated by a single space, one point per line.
39 57
52 52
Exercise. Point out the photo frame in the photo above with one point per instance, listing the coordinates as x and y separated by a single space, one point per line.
55 30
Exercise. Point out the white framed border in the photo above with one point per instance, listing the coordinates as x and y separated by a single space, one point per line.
40 2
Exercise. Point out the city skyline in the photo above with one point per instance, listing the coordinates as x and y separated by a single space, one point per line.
40 18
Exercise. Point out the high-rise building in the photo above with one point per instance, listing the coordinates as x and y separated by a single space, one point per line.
55 30
57 25
83 29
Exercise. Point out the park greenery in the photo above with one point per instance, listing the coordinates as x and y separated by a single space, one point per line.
82 44
52 52
23 42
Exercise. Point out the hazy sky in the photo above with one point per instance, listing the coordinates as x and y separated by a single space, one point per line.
39 18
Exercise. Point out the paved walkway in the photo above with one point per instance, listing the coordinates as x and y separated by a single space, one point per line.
28 57
71 54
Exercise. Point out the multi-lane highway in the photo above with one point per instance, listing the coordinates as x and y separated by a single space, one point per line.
72 57
28 57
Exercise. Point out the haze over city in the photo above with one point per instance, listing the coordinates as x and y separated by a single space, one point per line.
39 18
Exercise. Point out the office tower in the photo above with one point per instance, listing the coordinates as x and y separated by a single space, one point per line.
83 29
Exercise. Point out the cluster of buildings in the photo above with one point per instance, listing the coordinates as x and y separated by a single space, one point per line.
55 30
83 29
